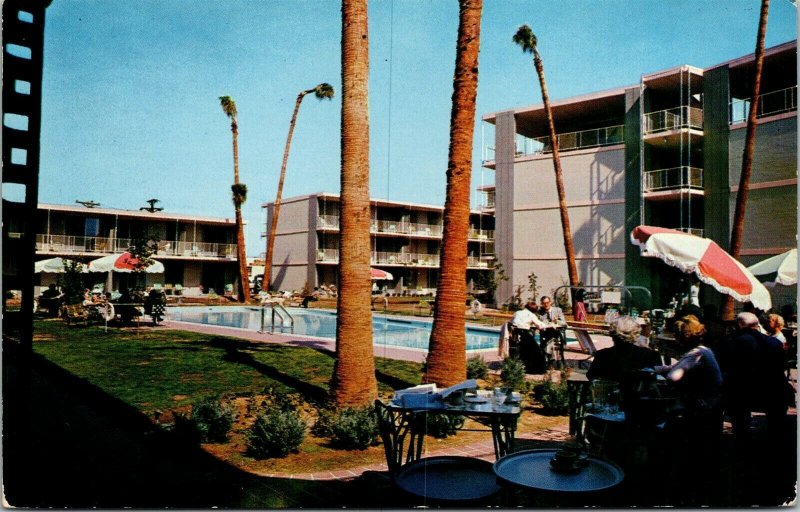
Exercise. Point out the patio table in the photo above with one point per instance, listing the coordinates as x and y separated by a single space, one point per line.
410 424
531 469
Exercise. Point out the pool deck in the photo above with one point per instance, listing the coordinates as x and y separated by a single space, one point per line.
404 354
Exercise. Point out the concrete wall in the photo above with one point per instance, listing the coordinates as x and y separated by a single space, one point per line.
770 222
295 245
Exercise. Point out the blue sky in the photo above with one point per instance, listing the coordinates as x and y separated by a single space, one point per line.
130 89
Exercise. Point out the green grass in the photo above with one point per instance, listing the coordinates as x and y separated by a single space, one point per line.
165 369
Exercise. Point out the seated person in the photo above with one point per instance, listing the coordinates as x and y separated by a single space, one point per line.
554 321
621 362
522 343
698 378
50 299
309 298
126 309
773 326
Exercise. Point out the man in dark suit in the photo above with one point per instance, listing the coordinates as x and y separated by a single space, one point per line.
753 366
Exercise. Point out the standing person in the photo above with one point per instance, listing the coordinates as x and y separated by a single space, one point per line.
524 323
51 299
579 304
554 321
753 366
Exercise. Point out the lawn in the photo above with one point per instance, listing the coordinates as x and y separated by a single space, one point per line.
161 372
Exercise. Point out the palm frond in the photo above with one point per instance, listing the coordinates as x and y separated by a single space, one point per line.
239 193
228 106
324 91
525 38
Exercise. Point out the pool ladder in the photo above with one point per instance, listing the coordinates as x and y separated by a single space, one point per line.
279 311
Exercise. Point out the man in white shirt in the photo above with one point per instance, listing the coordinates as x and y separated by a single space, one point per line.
524 324
550 332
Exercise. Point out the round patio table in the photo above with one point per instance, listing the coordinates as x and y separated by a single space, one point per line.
530 469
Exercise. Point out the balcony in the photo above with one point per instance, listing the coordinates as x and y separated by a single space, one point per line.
675 178
402 259
769 104
387 226
585 139
481 234
673 119
66 244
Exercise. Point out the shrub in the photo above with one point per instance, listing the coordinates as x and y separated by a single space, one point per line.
213 420
275 433
553 396
441 426
477 368
350 428
512 372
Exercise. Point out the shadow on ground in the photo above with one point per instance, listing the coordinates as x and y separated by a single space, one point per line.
67 444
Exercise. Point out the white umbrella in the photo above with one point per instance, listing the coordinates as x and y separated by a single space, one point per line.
783 266
53 266
124 262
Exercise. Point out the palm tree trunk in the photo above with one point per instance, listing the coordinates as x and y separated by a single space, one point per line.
273 223
447 353
569 248
749 148
241 254
353 382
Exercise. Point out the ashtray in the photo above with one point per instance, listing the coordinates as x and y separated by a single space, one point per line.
569 466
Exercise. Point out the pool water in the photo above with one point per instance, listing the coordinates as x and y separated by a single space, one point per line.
390 332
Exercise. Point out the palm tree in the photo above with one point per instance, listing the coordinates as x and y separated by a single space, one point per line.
239 192
447 353
353 383
526 39
747 154
322 91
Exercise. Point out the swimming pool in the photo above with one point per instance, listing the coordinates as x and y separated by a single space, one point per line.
387 331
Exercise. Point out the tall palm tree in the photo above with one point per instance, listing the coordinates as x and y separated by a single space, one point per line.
322 91
526 39
747 154
447 353
239 196
353 382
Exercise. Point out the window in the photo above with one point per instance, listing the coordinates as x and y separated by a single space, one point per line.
92 227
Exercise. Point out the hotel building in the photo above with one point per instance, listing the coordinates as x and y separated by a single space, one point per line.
666 152
405 241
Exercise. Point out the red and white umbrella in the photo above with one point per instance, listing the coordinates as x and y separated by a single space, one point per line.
380 275
124 262
704 258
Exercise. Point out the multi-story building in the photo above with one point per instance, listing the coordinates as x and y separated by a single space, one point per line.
405 241
198 253
666 151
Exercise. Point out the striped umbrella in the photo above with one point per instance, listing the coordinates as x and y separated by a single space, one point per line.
704 258
782 269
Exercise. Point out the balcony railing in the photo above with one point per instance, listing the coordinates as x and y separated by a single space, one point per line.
673 119
401 258
692 231
769 104
106 245
481 234
673 178
607 136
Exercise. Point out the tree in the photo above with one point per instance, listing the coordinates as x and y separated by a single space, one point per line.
353 383
322 91
239 196
747 154
526 39
447 351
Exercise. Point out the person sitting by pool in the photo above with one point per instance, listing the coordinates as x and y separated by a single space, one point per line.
314 296
522 342
50 299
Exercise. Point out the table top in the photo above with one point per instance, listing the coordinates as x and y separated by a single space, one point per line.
467 409
448 478
531 469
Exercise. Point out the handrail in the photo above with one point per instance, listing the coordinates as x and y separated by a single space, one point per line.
769 104
281 311
673 119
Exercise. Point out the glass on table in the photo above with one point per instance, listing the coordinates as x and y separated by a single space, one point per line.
605 396
499 396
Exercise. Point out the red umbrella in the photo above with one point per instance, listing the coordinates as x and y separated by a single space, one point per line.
704 258
380 275
124 262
